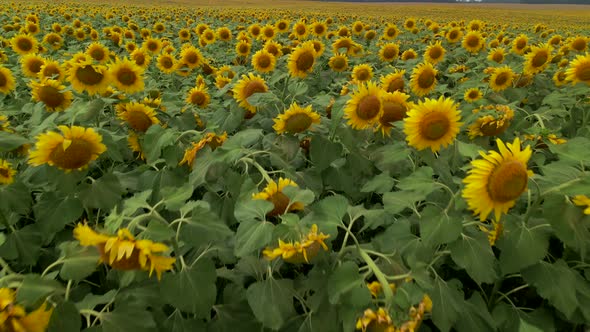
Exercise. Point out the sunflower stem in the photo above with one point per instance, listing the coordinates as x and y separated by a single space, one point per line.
387 292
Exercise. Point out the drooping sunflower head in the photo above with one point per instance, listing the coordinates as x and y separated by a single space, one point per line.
295 120
246 87
432 124
87 77
31 64
395 108
211 139
501 78
7 81
6 172
493 120
495 182
50 93
302 60
73 149
273 192
423 79
299 252
394 81
338 62
362 72
579 70
138 116
364 107
375 321
127 76
263 61
473 41
198 96
473 94
389 52
537 59
434 53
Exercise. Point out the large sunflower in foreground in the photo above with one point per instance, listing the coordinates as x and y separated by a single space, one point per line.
13 316
52 94
579 70
73 149
127 76
87 77
295 120
364 107
298 252
246 87
495 182
423 79
124 252
274 194
432 124
138 116
7 82
301 61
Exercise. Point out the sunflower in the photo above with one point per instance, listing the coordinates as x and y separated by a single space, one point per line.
395 108
432 123
152 45
362 72
268 32
141 58
74 149
409 54
494 232
273 192
410 24
295 120
224 34
473 42
394 81
50 93
166 63
495 182
246 87
263 61
300 30
375 288
583 201
434 53
302 60
124 252
338 62
138 116
51 69
319 29
24 44
5 124
390 32
211 139
127 76
375 321
282 25
207 37
578 43
560 78
454 35
15 318
255 30
578 70
423 79
87 77
497 55
519 44
98 52
501 78
473 94
364 107
345 43
537 59
273 48
389 52
7 82
198 96
31 64
6 172
493 120
53 40
298 252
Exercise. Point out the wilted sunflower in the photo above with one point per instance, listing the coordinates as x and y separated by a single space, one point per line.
375 321
473 42
362 72
87 77
432 124
246 87
211 139
299 252
423 79
124 252
375 288
50 92
389 52
7 82
98 52
263 61
31 64
138 116
198 96
434 53
395 108
364 107
6 172
497 55
501 78
24 44
394 81
493 120
74 149
497 181
14 317
537 59
584 201
302 60
338 62
295 120
473 94
273 192
127 76
578 70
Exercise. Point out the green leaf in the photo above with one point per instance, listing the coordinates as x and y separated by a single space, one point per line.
192 289
421 181
175 198
176 323
243 138
54 211
125 319
345 281
323 152
78 262
297 194
252 209
90 301
475 315
15 198
34 288
381 183
469 150
104 193
526 327
10 141
65 318
390 156
438 228
397 201
252 235
575 150
271 301
156 138
569 223
446 303
204 227
328 214
521 246
24 244
473 253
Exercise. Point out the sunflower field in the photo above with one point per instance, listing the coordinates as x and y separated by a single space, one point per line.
295 166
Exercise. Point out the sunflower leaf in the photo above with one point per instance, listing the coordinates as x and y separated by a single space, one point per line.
473 253
271 301
521 246
9 141
252 235
323 152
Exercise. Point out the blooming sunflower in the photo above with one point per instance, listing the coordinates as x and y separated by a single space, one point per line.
473 42
166 63
493 120
434 53
394 81
134 145
495 182
295 120
139 116
13 316
6 172
375 321
273 48
519 44
473 94
578 70
299 252
300 30
497 55
74 149
584 201
578 43
141 58
273 192
31 64
395 108
246 87
319 29
389 52
362 72
53 40
409 54
5 124
191 57
454 35
152 45
51 69
24 44
127 76
263 61
501 78
390 32
7 82
50 92
124 252
198 96
432 123
364 107
98 52
560 78
338 62
423 79
537 59
211 139
84 76
302 60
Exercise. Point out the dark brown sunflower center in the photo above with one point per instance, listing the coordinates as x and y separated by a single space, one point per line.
305 61
339 63
363 75
152 46
300 29
264 61
24 44
502 78
389 53
434 126
255 31
126 76
88 75
77 154
209 36
409 55
453 34
508 181
435 53
297 123
583 73
392 112
282 25
396 84
138 120
125 263
272 49
4 172
473 94
520 44
184 34
35 65
579 44
319 29
97 54
493 128
280 202
198 98
561 76
244 48
51 96
139 59
391 32
426 79
253 87
3 80
224 34
472 41
166 62
498 57
191 58
368 107
269 33
540 59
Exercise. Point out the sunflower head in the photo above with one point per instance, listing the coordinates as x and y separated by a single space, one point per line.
6 172
302 60
7 81
211 139
434 53
579 70
395 108
389 52
493 120
87 77
365 106
537 59
24 44
298 252
338 62
198 96
423 79
273 192
263 61
375 321
51 94
473 42
246 87
473 94
137 115
295 120
127 76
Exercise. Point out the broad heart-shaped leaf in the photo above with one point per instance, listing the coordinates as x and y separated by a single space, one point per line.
381 183
53 212
104 193
575 150
328 214
397 201
472 252
521 246
252 209
323 152
126 318
177 323
271 301
468 149
252 235
10 141
346 282
475 315
563 178
15 198
438 228
447 300
569 223
65 318
34 288
420 181
191 290
156 138
90 301
554 282
24 244
174 198
204 226
78 262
